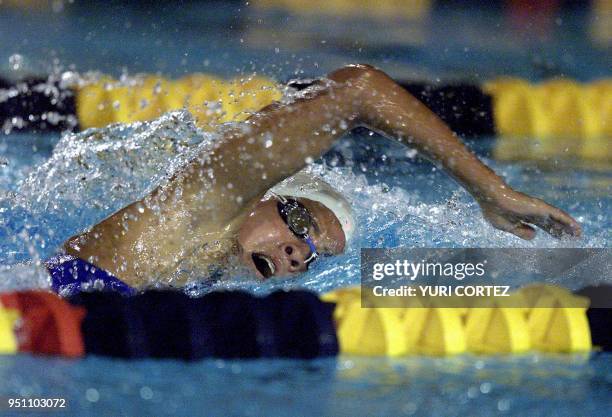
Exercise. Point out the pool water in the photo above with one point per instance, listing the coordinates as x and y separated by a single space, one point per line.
52 188
530 385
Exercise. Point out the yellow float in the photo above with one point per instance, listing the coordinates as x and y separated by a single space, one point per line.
538 317
8 319
211 100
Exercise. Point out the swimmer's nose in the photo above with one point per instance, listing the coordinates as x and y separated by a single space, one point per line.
295 256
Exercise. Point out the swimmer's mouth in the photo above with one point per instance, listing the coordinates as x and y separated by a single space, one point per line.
263 264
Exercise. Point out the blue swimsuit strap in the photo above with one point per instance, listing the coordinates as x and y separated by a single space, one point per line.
71 275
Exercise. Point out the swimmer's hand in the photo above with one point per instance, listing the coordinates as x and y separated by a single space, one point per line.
515 212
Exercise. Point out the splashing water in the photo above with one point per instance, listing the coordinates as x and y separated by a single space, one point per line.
398 201
89 176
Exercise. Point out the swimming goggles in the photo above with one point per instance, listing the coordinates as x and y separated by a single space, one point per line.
299 220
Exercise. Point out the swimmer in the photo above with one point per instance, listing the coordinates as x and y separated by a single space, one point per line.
228 202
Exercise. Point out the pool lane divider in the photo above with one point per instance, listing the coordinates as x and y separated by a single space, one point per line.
8 319
44 323
293 324
382 9
567 118
549 319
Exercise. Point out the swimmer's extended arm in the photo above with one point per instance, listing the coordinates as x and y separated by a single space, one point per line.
394 112
288 136
391 110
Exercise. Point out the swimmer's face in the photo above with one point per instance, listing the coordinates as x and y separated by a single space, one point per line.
269 248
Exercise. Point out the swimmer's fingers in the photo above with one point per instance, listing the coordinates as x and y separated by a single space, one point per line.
555 221
516 227
515 212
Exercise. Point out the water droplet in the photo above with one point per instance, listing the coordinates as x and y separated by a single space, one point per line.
146 393
92 395
16 62
485 387
503 405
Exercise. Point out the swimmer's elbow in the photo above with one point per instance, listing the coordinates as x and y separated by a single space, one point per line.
356 72
361 83
71 247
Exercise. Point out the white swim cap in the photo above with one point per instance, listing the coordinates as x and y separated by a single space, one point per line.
314 188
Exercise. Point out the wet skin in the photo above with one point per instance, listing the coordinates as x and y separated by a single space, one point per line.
150 237
269 248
